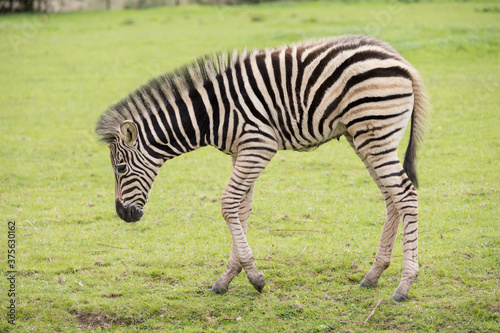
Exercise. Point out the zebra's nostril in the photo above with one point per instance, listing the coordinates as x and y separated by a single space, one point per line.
129 213
135 213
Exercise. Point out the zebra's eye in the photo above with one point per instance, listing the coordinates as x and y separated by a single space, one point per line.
121 168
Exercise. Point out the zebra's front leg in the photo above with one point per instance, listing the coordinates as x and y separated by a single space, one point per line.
236 207
234 267
240 251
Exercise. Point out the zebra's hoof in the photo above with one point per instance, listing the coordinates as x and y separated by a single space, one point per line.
367 283
399 297
218 289
259 283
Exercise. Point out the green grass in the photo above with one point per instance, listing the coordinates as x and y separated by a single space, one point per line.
59 73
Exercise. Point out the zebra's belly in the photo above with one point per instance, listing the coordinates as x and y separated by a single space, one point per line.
336 132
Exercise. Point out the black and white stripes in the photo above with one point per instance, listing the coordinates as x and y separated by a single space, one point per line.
251 104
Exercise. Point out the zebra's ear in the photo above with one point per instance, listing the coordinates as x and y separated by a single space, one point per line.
128 130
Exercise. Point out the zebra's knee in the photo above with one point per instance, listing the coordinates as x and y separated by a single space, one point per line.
383 264
229 206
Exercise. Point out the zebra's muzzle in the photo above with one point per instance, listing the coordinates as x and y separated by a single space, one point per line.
129 213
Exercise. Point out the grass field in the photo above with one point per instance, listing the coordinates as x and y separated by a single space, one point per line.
80 267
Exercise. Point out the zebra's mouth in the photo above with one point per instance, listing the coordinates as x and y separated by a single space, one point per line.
129 213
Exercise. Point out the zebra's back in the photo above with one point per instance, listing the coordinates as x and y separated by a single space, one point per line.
312 92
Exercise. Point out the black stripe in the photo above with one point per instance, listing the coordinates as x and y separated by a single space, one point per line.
373 129
236 121
386 164
409 241
212 97
259 148
163 118
313 55
377 117
254 155
200 114
281 113
186 122
289 71
394 174
400 185
298 85
226 111
406 188
411 232
383 137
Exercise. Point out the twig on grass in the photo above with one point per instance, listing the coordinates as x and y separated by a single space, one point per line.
94 251
304 250
79 283
116 247
373 311
296 230
31 224
235 319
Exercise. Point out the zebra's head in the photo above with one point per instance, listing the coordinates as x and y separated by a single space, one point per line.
134 174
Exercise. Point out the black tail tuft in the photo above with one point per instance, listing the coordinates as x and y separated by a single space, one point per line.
411 158
421 112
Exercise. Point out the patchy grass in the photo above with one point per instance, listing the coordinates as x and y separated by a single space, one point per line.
81 268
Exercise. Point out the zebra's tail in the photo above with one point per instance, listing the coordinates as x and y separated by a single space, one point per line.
421 111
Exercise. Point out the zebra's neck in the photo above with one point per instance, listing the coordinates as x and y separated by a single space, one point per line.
177 125
206 115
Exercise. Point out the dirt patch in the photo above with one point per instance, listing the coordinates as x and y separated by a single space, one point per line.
92 321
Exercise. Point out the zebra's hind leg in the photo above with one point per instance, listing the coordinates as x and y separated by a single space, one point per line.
235 205
234 267
394 179
389 232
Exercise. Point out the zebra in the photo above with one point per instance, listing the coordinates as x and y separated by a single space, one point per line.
250 104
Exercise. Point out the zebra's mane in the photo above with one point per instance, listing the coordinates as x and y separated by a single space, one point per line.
172 84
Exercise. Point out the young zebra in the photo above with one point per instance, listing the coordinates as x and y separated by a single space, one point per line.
250 105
